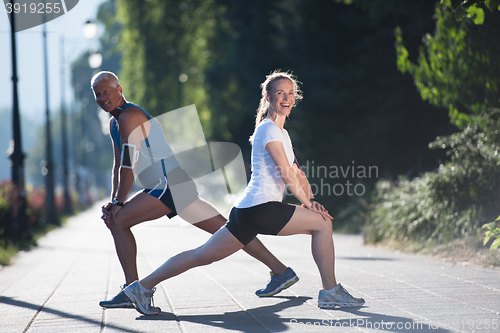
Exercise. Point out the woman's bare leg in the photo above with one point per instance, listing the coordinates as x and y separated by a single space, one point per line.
305 221
221 245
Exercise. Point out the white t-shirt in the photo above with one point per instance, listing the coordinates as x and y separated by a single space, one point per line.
265 183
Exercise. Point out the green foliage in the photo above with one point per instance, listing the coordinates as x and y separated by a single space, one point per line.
34 210
6 190
357 107
492 233
457 67
453 201
472 9
35 198
165 53
346 61
6 253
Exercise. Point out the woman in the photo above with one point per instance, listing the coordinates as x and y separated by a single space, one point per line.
259 210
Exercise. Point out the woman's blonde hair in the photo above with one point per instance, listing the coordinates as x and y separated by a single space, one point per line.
266 87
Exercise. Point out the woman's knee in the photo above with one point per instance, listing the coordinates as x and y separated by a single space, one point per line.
322 225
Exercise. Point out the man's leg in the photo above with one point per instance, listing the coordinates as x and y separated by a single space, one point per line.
142 207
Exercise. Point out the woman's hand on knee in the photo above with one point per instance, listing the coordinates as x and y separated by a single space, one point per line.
320 209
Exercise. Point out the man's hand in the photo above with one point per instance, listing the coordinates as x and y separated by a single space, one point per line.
109 214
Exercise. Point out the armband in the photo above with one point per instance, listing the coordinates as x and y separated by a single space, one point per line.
129 157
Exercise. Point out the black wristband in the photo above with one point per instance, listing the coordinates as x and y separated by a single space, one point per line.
117 203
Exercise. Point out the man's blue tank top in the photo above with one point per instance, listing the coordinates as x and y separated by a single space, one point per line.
156 158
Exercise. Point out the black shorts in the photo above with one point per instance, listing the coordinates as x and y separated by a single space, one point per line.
184 189
267 219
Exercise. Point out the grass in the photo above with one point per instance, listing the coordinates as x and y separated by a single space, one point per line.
7 253
10 250
461 251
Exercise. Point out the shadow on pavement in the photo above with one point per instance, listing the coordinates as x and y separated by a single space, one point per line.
62 314
242 321
376 321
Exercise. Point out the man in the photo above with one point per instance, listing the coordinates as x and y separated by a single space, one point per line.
156 200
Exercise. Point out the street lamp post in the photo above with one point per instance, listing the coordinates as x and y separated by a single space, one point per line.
95 60
18 228
50 205
67 203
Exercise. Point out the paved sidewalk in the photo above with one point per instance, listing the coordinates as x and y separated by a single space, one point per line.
57 287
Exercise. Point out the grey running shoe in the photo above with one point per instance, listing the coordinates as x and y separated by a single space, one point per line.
119 301
142 300
278 282
338 296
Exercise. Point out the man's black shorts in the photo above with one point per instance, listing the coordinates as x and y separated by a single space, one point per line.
185 192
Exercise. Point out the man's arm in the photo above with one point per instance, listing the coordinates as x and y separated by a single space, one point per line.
129 122
114 177
129 126
116 163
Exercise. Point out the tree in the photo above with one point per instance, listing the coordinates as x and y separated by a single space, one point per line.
165 53
357 107
354 95
458 66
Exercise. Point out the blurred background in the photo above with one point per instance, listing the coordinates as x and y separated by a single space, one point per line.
397 131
